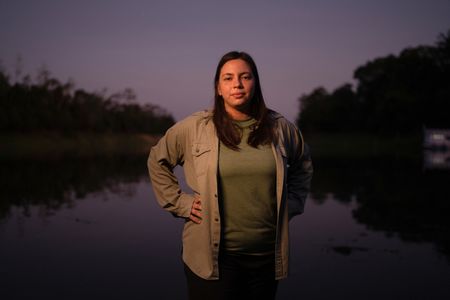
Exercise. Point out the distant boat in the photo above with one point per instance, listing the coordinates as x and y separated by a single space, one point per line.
436 144
436 139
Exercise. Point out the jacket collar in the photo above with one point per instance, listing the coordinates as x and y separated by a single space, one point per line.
208 113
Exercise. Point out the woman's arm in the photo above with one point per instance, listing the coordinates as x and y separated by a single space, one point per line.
299 172
299 182
164 156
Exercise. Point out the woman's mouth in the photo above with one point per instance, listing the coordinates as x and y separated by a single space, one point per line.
238 95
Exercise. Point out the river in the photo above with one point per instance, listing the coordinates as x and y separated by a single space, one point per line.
91 229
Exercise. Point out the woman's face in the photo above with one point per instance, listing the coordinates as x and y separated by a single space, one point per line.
236 86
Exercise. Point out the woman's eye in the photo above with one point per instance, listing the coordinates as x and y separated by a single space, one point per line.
227 78
246 77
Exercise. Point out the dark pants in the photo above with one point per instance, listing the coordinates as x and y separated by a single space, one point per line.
241 277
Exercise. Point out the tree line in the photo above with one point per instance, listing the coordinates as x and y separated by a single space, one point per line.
50 105
393 95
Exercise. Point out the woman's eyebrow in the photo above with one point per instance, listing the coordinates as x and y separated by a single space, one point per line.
231 74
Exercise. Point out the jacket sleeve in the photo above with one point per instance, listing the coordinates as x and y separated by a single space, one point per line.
164 156
299 175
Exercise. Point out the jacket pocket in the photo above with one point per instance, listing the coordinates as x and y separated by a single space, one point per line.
200 154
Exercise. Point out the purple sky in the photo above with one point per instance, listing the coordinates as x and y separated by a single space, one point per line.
167 50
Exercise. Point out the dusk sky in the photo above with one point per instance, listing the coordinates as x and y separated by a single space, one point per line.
167 50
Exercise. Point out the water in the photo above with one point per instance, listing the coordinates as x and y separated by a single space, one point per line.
91 229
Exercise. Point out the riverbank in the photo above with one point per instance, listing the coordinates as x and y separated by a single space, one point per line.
364 146
86 145
81 145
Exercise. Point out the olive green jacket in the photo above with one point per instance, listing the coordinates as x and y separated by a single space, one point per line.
193 144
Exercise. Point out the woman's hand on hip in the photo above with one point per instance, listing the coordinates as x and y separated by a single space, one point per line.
196 210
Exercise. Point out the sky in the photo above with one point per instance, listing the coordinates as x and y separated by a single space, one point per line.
167 50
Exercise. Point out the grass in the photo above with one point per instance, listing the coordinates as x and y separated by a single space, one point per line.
54 145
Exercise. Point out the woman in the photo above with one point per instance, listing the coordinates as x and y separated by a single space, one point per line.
249 172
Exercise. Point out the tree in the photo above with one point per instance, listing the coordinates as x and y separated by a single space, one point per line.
394 95
50 105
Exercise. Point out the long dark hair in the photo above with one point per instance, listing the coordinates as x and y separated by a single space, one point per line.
227 131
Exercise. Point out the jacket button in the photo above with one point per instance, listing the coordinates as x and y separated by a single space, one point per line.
197 150
215 245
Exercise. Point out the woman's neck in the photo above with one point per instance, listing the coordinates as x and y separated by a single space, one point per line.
238 115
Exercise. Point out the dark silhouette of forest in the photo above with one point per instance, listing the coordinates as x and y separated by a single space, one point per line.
393 95
49 105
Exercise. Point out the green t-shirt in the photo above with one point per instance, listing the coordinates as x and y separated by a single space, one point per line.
247 181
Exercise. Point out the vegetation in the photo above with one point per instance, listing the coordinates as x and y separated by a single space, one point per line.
56 146
394 96
49 105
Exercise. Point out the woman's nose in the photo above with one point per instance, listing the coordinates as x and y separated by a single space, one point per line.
237 82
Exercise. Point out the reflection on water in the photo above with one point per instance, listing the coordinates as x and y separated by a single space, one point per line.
395 197
52 184
92 230
437 159
86 229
